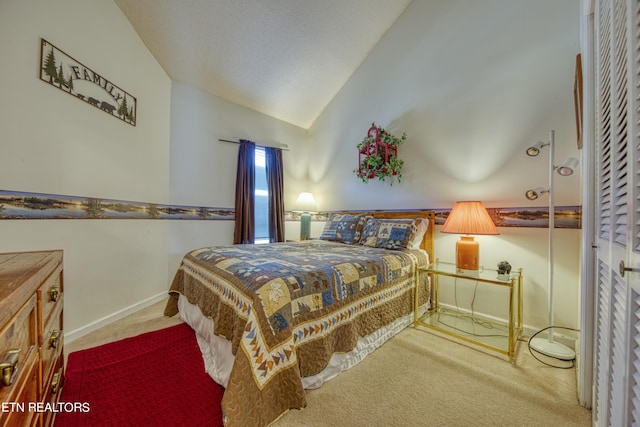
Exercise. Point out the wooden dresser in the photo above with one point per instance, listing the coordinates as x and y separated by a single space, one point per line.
31 339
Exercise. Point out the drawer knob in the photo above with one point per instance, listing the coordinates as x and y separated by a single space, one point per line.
53 339
9 366
54 293
55 383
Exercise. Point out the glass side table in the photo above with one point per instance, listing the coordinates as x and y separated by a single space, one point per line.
471 327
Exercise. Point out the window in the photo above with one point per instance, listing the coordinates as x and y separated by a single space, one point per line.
261 210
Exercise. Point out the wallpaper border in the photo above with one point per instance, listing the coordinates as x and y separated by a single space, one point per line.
26 205
21 205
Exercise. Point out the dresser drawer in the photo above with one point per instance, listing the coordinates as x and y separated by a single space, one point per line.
17 340
16 399
50 295
19 374
51 350
51 393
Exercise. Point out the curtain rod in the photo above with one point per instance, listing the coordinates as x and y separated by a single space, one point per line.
283 147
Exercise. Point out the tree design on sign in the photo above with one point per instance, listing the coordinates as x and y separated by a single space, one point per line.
62 71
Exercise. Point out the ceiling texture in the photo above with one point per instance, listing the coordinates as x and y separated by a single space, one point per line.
284 58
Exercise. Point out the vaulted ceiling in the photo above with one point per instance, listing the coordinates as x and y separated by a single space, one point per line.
284 58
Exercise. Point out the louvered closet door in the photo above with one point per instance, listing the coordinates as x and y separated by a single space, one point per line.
617 341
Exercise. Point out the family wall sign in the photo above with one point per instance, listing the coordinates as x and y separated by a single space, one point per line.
70 76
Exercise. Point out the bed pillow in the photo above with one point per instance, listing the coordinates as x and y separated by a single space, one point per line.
416 240
343 228
389 233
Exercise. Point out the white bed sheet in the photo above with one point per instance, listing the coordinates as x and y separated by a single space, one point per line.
218 359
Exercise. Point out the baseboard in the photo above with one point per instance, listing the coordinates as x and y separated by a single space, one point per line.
527 331
71 336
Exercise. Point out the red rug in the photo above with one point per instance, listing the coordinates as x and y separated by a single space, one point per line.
153 379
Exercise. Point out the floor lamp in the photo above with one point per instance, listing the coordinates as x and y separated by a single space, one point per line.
548 346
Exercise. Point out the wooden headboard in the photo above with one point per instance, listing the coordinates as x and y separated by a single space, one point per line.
430 216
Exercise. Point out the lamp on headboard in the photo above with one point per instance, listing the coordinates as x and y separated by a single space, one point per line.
306 203
468 218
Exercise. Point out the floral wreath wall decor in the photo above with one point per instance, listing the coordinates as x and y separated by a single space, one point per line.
378 155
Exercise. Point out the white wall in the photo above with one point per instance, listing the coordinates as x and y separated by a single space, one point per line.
472 83
54 143
203 169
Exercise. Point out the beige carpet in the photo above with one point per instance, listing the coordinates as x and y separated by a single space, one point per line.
416 379
419 379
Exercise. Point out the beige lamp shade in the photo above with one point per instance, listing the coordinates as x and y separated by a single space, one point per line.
468 218
305 203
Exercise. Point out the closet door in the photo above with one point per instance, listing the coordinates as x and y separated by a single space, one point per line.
617 305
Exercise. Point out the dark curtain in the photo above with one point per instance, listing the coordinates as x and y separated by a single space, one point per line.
244 231
275 183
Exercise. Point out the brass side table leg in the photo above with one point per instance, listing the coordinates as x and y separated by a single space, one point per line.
416 297
511 324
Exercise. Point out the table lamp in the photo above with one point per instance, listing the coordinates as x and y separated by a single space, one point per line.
305 203
468 218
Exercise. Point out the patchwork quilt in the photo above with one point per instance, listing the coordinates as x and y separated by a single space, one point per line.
287 307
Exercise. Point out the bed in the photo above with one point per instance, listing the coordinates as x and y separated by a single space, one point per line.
272 320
